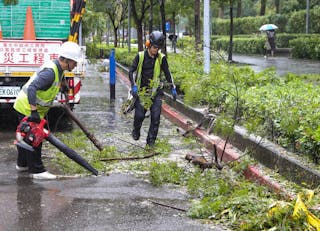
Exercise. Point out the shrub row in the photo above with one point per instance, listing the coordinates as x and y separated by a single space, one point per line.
289 23
303 45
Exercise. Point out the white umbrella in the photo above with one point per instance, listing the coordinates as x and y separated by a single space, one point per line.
268 27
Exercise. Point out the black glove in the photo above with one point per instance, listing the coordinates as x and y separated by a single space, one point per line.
64 89
34 117
64 86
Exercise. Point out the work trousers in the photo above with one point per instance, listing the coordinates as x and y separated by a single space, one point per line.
155 112
30 159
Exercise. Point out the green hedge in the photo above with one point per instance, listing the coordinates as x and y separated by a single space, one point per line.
303 46
241 45
247 25
288 23
307 47
297 21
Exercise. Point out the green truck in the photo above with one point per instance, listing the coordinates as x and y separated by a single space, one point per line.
54 21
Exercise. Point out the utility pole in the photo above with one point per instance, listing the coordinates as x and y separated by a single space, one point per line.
206 36
307 16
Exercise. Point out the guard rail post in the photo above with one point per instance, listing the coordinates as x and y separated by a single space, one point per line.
112 71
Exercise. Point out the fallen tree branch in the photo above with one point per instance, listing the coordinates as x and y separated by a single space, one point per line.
202 162
91 137
168 206
207 118
131 157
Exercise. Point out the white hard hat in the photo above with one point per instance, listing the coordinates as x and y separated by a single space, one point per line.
70 50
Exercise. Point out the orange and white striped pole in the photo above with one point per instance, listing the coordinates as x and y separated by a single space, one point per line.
1 38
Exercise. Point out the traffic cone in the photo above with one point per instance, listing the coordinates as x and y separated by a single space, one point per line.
29 32
1 38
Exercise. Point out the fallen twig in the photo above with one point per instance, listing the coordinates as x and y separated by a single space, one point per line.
130 157
128 142
91 137
206 118
202 162
168 206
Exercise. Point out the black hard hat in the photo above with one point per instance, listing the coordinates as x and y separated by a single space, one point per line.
156 39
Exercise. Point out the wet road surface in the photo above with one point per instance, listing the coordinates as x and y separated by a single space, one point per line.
115 202
282 64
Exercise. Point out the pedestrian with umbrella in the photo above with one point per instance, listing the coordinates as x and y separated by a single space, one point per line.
270 38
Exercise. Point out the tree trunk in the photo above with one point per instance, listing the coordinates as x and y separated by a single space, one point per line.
263 7
231 32
122 44
277 4
115 42
221 11
163 22
174 40
138 21
151 17
140 37
197 24
108 32
239 9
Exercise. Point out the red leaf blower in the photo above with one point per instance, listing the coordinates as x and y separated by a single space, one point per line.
30 135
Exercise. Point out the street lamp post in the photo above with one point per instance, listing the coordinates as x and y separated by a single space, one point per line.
206 36
307 16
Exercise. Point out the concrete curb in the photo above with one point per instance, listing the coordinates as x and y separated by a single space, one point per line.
266 152
231 154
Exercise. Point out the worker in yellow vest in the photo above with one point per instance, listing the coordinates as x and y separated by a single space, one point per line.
36 97
146 85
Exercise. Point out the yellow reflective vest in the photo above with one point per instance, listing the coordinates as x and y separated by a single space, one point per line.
156 71
44 98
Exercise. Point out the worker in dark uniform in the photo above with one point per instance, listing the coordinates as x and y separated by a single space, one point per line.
146 87
36 97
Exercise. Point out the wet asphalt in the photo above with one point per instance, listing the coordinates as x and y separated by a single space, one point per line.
283 64
117 201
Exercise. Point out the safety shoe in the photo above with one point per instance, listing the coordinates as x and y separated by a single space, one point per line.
21 169
43 176
135 135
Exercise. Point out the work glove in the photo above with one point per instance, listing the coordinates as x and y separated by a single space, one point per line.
134 90
64 86
174 93
34 117
64 89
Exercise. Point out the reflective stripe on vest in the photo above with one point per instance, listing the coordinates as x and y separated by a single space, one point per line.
156 71
44 98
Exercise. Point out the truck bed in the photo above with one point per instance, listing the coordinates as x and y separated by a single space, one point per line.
51 19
